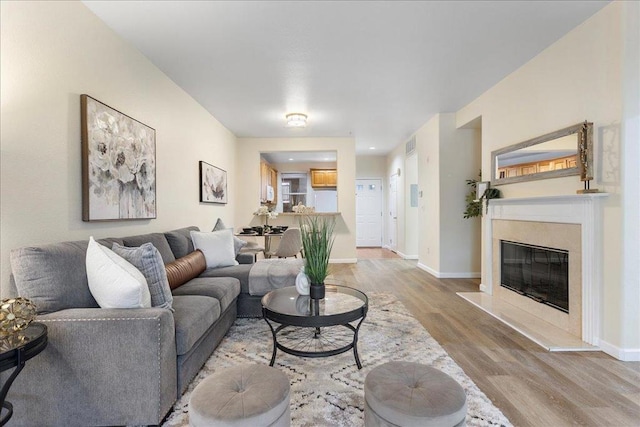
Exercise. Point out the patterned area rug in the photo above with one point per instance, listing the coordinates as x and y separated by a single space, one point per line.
329 391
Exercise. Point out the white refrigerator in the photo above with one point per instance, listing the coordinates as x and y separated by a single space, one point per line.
326 200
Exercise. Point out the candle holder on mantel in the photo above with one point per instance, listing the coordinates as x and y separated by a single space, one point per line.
585 157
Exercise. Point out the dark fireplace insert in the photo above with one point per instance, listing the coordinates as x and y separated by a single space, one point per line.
537 272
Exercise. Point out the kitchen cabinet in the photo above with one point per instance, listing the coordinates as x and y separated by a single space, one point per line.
324 178
268 178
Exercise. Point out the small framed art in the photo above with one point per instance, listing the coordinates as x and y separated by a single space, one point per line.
213 184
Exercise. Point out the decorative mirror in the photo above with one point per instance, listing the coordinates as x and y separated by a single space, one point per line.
565 152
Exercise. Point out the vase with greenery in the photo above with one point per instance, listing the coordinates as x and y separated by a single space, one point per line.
317 242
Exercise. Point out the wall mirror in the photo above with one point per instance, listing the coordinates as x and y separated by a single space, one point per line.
288 178
565 152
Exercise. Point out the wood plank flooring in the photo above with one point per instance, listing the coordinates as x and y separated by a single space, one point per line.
532 387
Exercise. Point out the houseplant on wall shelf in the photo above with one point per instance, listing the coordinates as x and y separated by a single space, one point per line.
317 242
474 200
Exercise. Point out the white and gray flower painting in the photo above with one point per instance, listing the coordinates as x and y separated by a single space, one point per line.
121 165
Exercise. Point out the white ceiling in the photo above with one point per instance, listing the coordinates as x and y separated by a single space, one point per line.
376 71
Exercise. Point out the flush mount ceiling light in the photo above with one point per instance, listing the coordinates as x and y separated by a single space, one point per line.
296 120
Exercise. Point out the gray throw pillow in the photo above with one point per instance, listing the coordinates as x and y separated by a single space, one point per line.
148 260
237 243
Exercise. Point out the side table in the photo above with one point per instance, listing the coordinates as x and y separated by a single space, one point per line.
15 350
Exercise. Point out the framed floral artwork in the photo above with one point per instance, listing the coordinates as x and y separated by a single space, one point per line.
118 164
213 184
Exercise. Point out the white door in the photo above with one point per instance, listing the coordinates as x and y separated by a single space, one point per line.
393 212
369 212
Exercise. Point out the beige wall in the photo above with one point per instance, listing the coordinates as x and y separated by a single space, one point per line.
371 167
395 163
428 146
449 245
578 78
51 53
248 179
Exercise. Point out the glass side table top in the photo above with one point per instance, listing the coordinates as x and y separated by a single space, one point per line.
338 300
31 336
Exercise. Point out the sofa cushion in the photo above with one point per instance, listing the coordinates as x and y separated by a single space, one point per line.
216 246
148 260
156 239
113 281
224 289
240 272
54 276
193 316
237 243
185 268
180 241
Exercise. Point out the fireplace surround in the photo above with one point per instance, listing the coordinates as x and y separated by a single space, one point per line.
571 222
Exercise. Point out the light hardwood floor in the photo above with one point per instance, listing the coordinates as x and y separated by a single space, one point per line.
531 386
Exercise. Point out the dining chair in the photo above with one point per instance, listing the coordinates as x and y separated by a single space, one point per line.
290 245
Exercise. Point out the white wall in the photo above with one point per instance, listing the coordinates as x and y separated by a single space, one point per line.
579 78
52 52
248 192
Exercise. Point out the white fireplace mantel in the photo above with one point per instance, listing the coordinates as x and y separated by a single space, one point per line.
583 209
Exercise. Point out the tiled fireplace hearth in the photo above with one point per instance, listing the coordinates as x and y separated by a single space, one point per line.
572 223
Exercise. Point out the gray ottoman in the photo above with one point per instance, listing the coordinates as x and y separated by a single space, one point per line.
241 396
410 394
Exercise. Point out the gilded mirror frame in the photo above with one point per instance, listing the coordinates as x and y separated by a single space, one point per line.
584 156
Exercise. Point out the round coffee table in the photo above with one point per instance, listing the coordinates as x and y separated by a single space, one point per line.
15 350
315 328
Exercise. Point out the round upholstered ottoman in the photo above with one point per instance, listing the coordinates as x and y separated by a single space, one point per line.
410 394
242 396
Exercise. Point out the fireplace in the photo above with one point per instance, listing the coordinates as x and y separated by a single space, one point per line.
570 222
537 272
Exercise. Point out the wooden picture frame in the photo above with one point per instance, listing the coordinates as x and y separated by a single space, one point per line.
118 164
213 184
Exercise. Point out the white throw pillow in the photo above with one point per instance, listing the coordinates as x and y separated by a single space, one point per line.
114 282
216 246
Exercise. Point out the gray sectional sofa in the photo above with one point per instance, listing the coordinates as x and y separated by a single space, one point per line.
119 366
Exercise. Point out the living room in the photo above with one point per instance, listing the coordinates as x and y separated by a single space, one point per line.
52 52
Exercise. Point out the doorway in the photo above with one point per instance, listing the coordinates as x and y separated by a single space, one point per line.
368 212
393 212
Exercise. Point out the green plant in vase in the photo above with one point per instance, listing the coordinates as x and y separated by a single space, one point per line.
317 242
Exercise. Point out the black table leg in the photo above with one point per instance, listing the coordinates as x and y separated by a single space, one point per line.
5 388
355 343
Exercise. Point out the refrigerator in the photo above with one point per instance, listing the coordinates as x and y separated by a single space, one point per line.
326 200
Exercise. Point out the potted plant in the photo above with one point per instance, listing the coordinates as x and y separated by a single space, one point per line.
474 200
317 242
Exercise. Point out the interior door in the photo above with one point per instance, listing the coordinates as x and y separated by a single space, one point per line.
393 212
369 212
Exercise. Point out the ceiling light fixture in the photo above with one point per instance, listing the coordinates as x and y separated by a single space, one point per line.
296 120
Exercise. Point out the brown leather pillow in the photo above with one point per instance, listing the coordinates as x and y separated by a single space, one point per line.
186 268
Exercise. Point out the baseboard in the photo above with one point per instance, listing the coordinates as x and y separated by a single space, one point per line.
404 256
343 261
428 269
440 275
624 354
